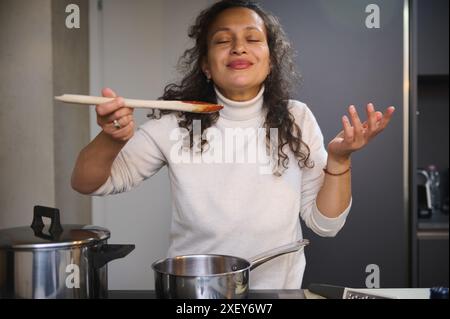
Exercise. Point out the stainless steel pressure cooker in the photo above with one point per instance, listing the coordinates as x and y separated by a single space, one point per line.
56 261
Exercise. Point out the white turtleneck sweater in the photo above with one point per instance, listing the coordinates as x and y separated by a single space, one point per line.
233 207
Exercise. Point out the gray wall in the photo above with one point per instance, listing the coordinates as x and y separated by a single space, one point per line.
71 123
36 139
26 121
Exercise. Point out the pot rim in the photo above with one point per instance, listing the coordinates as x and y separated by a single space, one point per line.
201 255
54 246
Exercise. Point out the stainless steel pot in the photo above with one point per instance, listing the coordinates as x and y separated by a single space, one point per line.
59 261
211 276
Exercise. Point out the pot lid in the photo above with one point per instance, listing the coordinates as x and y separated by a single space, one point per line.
72 235
55 235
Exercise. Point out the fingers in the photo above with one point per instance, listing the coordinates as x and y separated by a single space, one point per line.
107 92
114 118
120 113
356 134
348 130
117 128
117 123
358 128
124 133
124 121
371 118
379 115
376 121
123 115
109 107
386 117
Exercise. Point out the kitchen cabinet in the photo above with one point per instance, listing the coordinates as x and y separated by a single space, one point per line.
432 36
430 139
433 258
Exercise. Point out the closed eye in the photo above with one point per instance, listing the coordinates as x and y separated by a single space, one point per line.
222 42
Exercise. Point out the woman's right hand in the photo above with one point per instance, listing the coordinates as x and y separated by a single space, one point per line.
114 118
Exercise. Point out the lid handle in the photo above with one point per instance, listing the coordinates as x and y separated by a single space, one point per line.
53 213
110 252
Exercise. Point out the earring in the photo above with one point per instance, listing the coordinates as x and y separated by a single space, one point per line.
208 77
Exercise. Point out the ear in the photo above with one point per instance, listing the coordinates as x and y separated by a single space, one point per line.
205 68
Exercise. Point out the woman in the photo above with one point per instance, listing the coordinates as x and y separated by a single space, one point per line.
241 60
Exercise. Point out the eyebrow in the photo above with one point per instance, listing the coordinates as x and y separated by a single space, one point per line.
228 29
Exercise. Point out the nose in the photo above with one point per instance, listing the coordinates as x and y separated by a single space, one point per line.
238 48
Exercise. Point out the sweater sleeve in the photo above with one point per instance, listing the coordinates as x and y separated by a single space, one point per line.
313 178
138 160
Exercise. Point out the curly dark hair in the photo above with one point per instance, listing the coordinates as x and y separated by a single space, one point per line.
278 84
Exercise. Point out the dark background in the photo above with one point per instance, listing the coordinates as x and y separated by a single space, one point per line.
343 62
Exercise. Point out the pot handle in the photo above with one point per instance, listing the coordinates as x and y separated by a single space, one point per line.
276 252
53 213
110 252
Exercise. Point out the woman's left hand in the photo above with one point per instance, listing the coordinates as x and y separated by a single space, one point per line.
355 134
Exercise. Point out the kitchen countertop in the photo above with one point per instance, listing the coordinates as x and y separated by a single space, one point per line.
437 221
254 294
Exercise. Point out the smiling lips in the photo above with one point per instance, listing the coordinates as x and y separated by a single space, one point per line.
240 64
